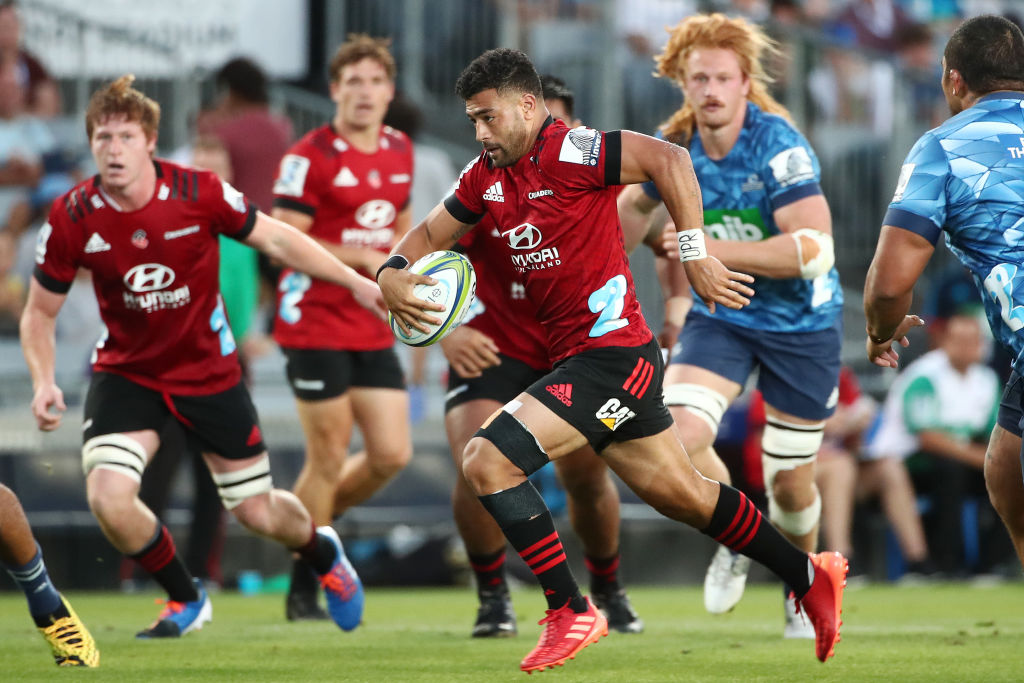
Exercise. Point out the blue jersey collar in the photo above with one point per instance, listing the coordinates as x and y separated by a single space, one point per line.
1003 95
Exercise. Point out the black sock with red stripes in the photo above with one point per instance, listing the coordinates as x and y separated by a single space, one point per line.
489 569
160 559
527 524
737 524
604 573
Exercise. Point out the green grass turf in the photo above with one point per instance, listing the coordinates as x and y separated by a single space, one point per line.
945 632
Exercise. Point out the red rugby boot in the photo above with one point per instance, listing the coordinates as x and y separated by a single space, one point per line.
565 634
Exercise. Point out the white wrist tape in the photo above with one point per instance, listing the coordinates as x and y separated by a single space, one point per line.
691 245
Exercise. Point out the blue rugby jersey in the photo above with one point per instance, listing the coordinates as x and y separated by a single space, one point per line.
966 178
771 165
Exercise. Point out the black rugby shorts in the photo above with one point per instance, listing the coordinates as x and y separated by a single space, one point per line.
224 423
318 374
609 394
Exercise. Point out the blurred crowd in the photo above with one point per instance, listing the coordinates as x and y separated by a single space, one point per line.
900 473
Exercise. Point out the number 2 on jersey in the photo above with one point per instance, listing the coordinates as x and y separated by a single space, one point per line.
608 302
293 287
999 285
219 324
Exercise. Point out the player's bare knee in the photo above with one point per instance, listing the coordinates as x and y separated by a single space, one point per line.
482 466
387 463
790 496
254 514
110 492
325 459
110 497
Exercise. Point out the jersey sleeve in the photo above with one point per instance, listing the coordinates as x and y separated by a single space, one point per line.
920 406
465 203
587 158
299 182
788 166
56 253
233 215
919 204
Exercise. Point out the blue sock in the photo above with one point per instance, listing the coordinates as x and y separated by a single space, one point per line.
43 598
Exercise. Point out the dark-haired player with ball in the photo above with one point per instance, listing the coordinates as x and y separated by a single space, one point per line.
550 191
496 354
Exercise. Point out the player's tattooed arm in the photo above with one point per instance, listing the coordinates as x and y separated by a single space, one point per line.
461 232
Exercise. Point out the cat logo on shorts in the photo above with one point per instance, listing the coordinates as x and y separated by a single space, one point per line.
613 414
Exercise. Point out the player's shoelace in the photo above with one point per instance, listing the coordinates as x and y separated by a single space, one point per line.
339 581
70 645
557 624
171 607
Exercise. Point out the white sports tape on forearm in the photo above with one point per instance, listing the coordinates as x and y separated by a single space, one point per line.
825 259
691 245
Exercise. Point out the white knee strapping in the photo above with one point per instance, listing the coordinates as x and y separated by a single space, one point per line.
705 403
254 480
786 446
799 522
115 452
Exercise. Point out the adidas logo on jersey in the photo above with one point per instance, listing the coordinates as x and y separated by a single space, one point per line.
345 178
96 244
563 392
494 193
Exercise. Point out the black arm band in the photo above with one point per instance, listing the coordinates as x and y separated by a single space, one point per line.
396 261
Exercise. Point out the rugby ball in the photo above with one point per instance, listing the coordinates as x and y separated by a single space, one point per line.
455 289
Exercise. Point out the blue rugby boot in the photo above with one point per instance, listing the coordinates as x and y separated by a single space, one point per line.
178 618
342 586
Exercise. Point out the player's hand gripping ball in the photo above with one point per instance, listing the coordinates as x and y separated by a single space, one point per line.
455 290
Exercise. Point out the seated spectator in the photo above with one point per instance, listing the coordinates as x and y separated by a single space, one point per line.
12 288
24 140
845 477
42 98
874 23
936 419
919 60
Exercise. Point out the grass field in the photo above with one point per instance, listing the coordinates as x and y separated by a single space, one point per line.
945 632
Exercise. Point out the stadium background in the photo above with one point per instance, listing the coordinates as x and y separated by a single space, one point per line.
861 108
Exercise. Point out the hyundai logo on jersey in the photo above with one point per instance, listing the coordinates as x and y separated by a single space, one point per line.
524 236
148 277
